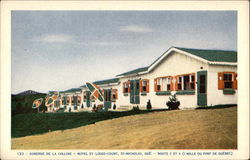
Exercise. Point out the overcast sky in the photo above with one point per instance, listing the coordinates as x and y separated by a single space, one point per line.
58 50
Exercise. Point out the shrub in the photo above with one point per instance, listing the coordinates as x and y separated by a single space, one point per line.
114 106
94 109
135 108
149 106
173 102
99 107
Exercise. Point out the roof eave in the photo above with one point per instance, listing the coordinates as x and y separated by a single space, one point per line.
109 84
223 63
132 75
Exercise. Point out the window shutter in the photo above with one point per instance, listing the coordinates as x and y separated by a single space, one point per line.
147 87
235 83
155 84
128 86
140 85
123 87
176 83
220 80
116 93
194 82
171 84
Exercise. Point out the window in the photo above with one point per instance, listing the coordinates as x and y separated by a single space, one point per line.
72 100
126 87
158 84
114 94
84 95
163 84
63 100
78 100
92 98
227 80
186 82
57 103
179 83
68 99
107 95
144 85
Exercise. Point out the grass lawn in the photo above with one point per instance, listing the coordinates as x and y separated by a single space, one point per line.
37 123
178 129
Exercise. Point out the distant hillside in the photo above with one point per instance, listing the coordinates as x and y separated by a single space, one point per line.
22 103
28 92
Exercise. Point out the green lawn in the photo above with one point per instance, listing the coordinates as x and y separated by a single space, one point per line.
37 123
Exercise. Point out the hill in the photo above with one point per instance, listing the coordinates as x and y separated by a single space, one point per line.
22 103
28 92
180 129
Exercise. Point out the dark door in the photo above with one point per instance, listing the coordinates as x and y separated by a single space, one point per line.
107 99
75 102
132 92
202 88
135 91
88 98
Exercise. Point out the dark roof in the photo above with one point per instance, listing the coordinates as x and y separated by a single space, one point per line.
212 55
142 69
106 81
71 90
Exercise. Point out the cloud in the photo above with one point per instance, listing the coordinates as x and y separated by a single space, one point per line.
103 43
136 29
55 38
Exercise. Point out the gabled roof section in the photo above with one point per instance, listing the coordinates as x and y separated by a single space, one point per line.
212 55
142 69
218 57
72 90
107 81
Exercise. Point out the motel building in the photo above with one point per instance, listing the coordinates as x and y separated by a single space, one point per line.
198 78
71 100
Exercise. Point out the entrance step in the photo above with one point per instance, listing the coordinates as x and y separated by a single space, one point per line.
124 108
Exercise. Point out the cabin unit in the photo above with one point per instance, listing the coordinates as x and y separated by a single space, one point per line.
71 100
197 77
109 89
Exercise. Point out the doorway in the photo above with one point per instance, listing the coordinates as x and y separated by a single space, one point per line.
107 99
202 88
135 91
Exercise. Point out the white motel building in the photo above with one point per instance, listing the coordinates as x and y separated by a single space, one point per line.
198 77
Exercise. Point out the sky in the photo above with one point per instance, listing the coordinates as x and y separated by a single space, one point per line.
59 50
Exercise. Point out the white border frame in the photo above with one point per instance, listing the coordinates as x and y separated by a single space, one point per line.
242 7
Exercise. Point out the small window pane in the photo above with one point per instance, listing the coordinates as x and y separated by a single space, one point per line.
158 87
228 85
227 77
192 78
192 85
180 79
168 87
179 86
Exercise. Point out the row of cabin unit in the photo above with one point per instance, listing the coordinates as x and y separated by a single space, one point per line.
197 77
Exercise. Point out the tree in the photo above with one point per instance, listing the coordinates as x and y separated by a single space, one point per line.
149 106
173 102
